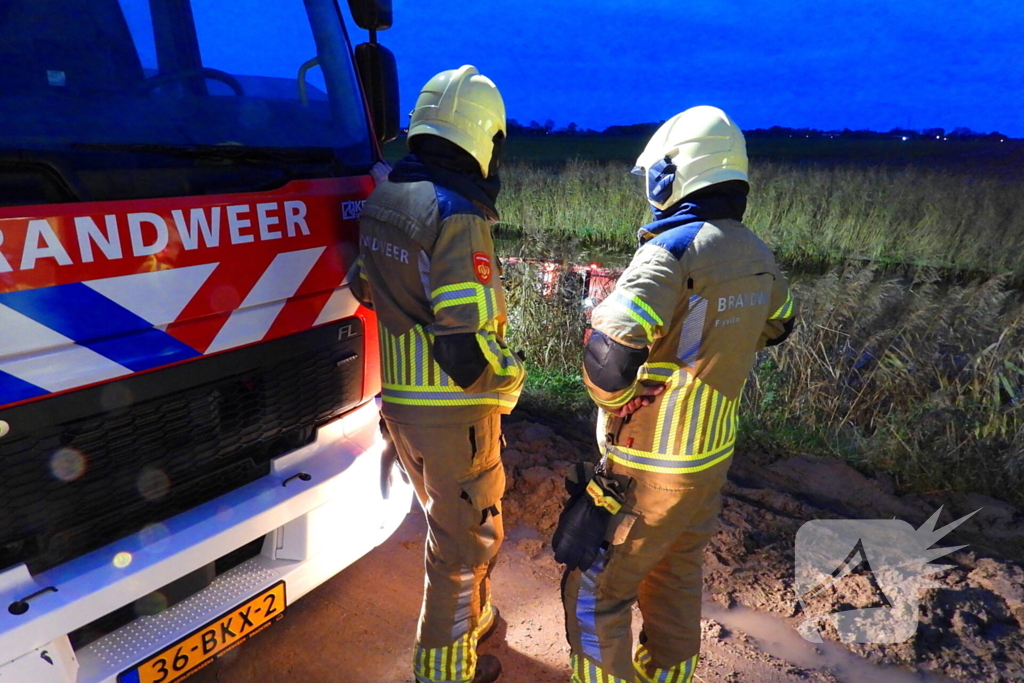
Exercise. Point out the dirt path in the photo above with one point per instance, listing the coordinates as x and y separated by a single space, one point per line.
358 627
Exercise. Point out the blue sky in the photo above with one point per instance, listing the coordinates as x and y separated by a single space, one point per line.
866 64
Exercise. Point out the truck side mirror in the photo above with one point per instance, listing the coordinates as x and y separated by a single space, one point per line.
371 15
379 76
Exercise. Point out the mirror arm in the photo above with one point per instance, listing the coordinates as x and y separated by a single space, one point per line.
303 96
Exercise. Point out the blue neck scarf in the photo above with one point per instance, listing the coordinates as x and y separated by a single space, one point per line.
709 207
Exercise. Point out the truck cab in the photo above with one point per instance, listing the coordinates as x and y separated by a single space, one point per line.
189 438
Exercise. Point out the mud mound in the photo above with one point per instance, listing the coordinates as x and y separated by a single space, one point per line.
536 460
970 629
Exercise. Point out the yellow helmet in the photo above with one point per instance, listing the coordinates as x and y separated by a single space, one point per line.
462 106
696 148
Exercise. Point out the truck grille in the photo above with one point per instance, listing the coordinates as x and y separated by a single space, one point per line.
81 470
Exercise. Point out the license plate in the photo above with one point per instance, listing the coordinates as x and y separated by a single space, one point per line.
198 649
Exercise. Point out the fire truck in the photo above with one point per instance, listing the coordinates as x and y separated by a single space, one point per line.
189 440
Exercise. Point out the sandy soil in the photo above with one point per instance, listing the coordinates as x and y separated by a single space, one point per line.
359 626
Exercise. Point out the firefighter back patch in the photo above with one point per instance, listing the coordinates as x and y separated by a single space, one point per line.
482 267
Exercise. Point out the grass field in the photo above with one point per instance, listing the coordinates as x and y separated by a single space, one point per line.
813 214
909 353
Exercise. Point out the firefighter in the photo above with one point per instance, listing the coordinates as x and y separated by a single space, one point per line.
666 362
427 262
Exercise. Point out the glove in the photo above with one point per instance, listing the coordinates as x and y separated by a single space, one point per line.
593 500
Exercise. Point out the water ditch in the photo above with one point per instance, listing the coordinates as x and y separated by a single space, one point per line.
778 638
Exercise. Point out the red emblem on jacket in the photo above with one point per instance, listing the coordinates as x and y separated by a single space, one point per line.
482 266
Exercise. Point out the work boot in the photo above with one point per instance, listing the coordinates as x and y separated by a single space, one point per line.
488 669
492 627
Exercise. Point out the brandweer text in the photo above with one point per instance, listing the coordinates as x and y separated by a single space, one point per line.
742 300
144 234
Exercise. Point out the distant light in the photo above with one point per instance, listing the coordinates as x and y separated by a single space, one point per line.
904 138
945 138
936 137
122 560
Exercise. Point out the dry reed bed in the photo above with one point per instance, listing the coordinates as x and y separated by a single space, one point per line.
911 377
906 374
807 214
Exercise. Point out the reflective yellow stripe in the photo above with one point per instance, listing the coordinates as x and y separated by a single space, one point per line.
466 293
622 400
455 662
421 662
666 428
388 344
693 417
442 396
657 372
460 290
585 671
692 437
486 618
714 410
509 402
413 377
637 309
785 310
408 361
667 463
679 673
659 426
500 358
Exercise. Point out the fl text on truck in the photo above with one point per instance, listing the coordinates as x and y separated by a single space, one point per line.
188 434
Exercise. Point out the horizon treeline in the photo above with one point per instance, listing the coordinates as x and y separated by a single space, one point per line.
549 127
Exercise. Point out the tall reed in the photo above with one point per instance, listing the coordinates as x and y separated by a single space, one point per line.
920 375
547 322
916 378
810 215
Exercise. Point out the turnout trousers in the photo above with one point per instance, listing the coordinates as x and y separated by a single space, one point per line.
459 479
657 559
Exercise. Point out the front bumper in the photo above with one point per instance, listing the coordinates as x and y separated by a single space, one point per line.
313 529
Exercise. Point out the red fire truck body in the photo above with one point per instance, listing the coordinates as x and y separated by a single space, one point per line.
189 439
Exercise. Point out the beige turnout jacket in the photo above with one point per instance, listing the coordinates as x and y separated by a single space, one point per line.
703 304
427 260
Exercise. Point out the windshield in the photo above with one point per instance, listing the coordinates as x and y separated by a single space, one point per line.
94 90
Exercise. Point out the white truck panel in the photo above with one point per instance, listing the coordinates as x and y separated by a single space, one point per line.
323 524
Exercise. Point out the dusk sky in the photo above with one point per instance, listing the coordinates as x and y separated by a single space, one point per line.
857 64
